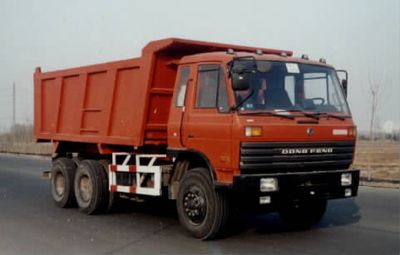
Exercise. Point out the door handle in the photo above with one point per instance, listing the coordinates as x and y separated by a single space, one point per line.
190 135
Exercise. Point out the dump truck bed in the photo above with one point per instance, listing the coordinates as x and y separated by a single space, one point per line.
105 103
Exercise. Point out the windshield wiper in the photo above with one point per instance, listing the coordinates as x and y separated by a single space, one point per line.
268 114
300 111
319 114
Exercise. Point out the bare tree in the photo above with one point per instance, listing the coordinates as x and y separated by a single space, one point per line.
376 89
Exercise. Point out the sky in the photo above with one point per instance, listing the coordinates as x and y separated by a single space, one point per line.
361 36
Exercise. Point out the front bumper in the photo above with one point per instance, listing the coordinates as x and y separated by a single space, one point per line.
294 187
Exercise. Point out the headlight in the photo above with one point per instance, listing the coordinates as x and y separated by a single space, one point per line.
346 179
268 184
253 131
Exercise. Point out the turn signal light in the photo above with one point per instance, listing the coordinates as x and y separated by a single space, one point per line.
253 131
352 131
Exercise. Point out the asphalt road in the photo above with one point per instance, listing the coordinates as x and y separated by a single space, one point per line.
31 224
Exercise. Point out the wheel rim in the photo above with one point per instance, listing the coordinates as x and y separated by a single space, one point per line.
85 188
59 184
195 205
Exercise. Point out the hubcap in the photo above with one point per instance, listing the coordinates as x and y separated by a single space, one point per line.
59 184
85 188
195 206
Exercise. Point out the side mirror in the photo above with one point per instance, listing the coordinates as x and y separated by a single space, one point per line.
344 86
344 74
241 81
241 69
238 69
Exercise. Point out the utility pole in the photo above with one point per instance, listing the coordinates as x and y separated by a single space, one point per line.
13 109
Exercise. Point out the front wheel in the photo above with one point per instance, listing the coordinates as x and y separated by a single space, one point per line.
303 215
202 210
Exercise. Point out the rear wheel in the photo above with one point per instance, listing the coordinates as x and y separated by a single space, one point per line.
303 215
90 185
62 181
202 210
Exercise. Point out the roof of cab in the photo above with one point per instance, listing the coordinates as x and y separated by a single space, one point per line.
225 57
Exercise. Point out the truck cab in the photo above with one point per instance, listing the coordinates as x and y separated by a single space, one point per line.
275 130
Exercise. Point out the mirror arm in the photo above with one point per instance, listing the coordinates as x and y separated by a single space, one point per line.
230 65
244 100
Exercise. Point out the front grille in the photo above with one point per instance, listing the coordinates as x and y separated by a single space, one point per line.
273 157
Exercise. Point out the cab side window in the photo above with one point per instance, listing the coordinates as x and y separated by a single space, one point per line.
182 86
211 88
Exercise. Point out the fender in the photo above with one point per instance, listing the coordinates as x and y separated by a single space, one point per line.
188 153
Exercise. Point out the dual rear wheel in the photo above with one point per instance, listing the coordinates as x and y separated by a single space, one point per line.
84 183
91 187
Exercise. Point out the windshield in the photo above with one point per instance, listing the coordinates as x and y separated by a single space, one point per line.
291 86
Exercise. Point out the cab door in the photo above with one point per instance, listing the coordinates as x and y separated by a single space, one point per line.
178 108
208 120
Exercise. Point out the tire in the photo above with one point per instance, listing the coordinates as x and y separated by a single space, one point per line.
303 215
111 197
202 210
62 182
90 186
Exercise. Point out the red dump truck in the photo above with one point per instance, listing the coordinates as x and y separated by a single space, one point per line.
212 126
